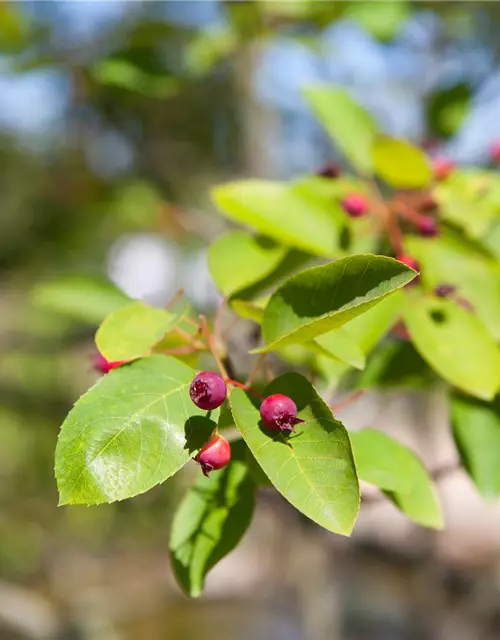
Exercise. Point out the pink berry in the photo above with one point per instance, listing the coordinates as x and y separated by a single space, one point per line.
495 151
208 390
279 413
442 167
427 226
355 205
329 170
100 363
215 454
408 261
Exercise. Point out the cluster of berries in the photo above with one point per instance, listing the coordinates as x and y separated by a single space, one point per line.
208 391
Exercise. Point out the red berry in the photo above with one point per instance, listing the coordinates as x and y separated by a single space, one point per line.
428 204
208 390
427 226
279 412
355 205
215 454
100 363
330 170
444 290
495 151
442 167
408 261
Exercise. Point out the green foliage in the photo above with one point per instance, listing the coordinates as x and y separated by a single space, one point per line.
257 258
400 164
348 124
132 331
343 347
84 299
383 20
210 521
476 427
313 468
322 298
455 344
132 430
282 212
126 75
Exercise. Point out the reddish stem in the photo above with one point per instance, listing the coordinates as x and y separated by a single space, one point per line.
347 401
245 387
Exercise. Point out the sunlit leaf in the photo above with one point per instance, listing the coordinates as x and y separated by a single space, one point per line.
400 164
314 468
132 430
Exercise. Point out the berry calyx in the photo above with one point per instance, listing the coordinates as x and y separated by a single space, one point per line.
355 205
100 363
495 151
208 390
427 226
444 290
408 261
279 413
442 167
215 454
329 170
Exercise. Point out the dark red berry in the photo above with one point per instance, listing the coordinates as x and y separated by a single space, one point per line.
444 290
330 170
408 261
279 412
100 363
355 205
215 454
495 151
427 226
400 331
208 390
442 167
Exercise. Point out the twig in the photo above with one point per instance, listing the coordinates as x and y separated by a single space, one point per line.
245 387
393 231
189 338
178 294
218 320
212 348
347 401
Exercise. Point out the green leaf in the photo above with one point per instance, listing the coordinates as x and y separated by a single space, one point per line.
447 109
348 124
383 20
276 210
208 47
455 344
400 164
210 521
126 75
132 430
249 310
384 462
366 330
84 299
476 428
314 468
449 260
340 344
237 260
320 299
132 331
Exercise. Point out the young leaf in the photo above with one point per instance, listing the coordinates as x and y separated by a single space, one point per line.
366 330
382 461
343 347
320 299
450 260
237 260
476 428
277 210
210 521
132 430
346 122
132 331
248 310
387 464
84 299
455 344
400 164
313 468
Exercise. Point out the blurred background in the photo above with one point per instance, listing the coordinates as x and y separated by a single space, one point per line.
116 118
